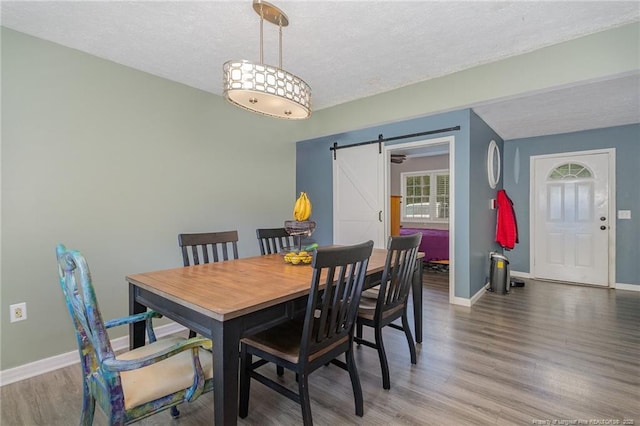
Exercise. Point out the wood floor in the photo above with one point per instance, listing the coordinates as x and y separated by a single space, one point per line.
544 354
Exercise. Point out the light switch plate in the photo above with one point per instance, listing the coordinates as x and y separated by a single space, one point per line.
624 214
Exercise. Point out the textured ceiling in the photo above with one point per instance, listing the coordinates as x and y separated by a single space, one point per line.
382 45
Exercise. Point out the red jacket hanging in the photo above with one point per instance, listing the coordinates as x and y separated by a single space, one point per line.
506 226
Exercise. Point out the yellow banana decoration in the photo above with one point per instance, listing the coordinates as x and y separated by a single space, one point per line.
307 205
302 208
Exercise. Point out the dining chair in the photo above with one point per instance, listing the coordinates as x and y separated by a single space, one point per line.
273 240
207 247
306 343
390 300
132 385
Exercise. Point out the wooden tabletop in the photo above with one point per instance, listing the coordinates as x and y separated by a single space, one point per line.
226 290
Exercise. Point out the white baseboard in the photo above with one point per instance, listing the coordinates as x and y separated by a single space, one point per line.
617 286
461 301
630 287
46 365
519 274
479 294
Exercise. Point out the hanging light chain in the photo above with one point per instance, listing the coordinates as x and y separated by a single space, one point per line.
267 89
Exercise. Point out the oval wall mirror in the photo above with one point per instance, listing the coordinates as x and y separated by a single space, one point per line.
493 164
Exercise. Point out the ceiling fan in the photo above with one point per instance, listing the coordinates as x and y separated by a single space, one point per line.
398 158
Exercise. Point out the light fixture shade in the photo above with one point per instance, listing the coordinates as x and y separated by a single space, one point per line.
266 89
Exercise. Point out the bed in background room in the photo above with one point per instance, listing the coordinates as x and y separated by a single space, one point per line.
434 244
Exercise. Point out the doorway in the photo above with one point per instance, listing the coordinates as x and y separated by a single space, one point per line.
361 193
428 147
573 217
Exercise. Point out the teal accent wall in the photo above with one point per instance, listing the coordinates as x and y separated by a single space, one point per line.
482 218
473 216
626 141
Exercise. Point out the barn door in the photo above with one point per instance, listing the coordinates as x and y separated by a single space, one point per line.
358 195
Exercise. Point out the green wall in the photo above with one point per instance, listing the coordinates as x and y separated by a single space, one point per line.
116 162
596 56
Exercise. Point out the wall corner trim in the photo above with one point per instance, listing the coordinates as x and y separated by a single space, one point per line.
461 301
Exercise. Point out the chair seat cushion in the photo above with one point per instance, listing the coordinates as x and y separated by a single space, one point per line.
162 378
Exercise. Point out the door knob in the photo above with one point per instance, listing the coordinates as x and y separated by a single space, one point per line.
603 227
602 218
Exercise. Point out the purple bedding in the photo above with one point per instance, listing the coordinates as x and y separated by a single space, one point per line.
434 244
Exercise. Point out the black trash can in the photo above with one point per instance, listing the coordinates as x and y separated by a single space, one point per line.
499 280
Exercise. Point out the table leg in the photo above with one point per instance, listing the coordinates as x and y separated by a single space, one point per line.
226 340
136 330
417 300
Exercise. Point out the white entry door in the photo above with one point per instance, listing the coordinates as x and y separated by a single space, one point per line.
571 233
358 191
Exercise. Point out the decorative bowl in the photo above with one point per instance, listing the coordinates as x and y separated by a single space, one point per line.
296 257
303 228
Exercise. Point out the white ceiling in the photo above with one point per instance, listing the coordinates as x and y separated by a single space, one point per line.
383 44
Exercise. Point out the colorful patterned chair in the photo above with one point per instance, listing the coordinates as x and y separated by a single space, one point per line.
138 383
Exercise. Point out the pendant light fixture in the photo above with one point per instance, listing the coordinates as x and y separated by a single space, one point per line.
266 89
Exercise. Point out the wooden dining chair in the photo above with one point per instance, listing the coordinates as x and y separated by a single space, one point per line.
132 385
326 331
273 240
390 302
207 247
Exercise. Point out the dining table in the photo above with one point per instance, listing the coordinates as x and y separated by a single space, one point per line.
228 300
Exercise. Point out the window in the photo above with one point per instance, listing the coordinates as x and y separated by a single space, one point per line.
570 171
425 196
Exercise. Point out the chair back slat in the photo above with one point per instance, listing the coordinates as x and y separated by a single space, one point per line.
273 240
208 247
398 272
336 286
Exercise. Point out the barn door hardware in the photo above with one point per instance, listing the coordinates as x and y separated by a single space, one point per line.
381 139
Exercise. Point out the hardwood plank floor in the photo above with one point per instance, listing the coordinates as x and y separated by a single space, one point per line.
545 352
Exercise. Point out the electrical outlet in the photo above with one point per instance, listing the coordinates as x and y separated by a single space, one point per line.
18 312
